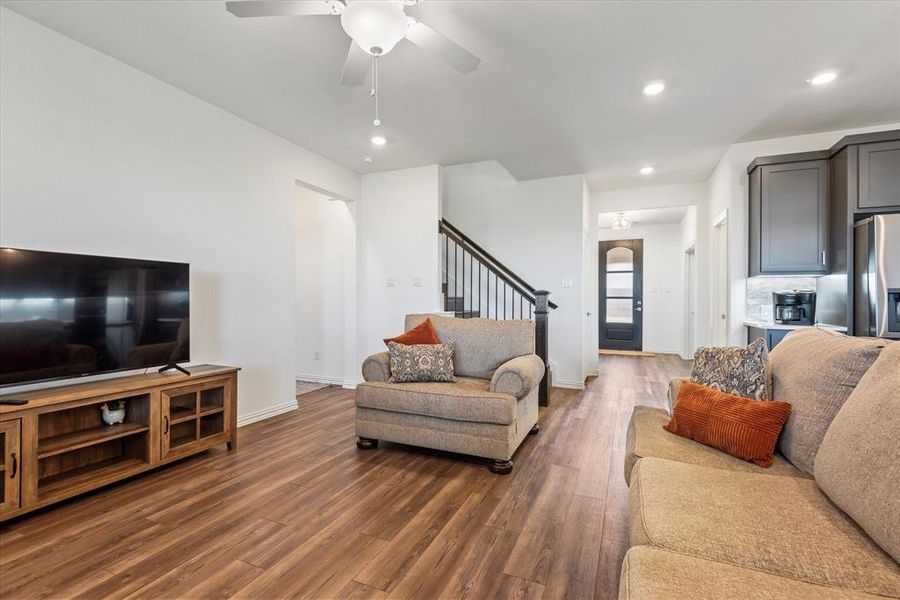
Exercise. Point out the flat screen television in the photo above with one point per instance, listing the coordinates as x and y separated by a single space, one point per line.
71 315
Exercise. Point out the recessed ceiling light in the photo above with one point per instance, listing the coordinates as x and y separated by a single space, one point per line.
822 78
646 170
654 87
367 159
378 140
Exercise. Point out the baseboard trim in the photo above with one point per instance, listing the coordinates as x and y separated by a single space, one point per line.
320 379
266 413
569 384
655 351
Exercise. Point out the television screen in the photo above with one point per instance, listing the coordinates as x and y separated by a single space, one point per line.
68 315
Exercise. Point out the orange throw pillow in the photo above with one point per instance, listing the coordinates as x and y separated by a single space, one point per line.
423 333
744 428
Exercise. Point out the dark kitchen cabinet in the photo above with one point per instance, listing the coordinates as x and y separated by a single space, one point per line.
879 177
771 336
789 218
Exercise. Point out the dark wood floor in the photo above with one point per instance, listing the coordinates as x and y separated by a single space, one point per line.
298 511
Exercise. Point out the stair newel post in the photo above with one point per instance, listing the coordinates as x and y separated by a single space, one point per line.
542 341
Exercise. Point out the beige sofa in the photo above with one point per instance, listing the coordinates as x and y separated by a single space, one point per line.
490 409
822 522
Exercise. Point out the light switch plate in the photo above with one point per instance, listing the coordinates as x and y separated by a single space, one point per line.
417 281
390 282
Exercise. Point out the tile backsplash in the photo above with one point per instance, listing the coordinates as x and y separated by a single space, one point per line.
759 294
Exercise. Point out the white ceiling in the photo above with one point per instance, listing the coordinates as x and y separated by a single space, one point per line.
650 216
559 91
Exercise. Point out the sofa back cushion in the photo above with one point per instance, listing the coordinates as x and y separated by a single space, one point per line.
858 464
816 371
481 345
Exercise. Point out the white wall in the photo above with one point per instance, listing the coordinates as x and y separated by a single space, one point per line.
590 294
97 157
658 196
663 313
727 190
536 228
326 280
397 240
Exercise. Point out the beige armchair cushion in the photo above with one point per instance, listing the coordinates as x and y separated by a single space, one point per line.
518 376
646 437
784 526
482 345
858 464
466 400
655 574
816 370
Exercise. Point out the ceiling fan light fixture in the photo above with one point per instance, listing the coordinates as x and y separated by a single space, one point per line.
621 222
375 26
654 88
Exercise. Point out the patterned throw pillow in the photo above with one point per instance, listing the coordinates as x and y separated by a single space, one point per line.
733 370
421 362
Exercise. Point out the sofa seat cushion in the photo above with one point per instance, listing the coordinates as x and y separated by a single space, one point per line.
780 525
647 438
468 399
654 574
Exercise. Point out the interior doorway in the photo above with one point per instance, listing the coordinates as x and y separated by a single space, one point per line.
720 281
690 303
621 277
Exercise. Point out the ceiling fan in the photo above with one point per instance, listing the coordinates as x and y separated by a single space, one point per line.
375 27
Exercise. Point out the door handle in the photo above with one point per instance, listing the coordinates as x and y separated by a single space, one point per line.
166 430
15 466
823 258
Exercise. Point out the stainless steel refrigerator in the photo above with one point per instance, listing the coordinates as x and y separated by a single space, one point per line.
876 277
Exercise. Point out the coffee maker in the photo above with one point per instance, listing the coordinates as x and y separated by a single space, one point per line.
795 307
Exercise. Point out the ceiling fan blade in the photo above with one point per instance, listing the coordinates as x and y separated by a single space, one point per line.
438 44
356 66
283 8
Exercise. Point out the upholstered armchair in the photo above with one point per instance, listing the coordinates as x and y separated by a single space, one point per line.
487 412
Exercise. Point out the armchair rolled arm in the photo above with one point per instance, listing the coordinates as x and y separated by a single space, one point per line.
377 367
674 387
518 376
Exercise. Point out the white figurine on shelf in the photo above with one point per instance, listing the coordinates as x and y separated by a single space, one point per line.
113 412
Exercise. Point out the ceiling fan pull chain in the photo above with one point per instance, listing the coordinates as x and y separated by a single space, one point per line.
377 121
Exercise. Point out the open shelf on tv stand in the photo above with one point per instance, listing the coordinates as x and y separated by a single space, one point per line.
61 446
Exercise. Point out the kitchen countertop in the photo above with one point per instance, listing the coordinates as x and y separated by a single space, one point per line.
771 325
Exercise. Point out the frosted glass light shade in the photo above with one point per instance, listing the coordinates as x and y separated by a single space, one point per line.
375 26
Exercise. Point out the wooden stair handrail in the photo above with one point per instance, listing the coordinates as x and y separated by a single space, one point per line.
501 270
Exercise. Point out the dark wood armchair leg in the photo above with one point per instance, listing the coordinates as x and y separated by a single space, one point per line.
501 467
534 429
366 443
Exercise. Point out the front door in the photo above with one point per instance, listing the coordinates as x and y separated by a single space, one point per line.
621 294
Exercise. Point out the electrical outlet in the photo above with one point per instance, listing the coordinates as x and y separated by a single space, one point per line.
417 281
390 282
316 355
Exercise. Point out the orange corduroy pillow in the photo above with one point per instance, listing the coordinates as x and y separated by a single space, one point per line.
744 428
423 333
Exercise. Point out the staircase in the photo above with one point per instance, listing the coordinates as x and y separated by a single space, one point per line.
475 284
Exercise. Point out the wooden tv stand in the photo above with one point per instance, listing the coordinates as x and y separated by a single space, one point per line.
57 445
